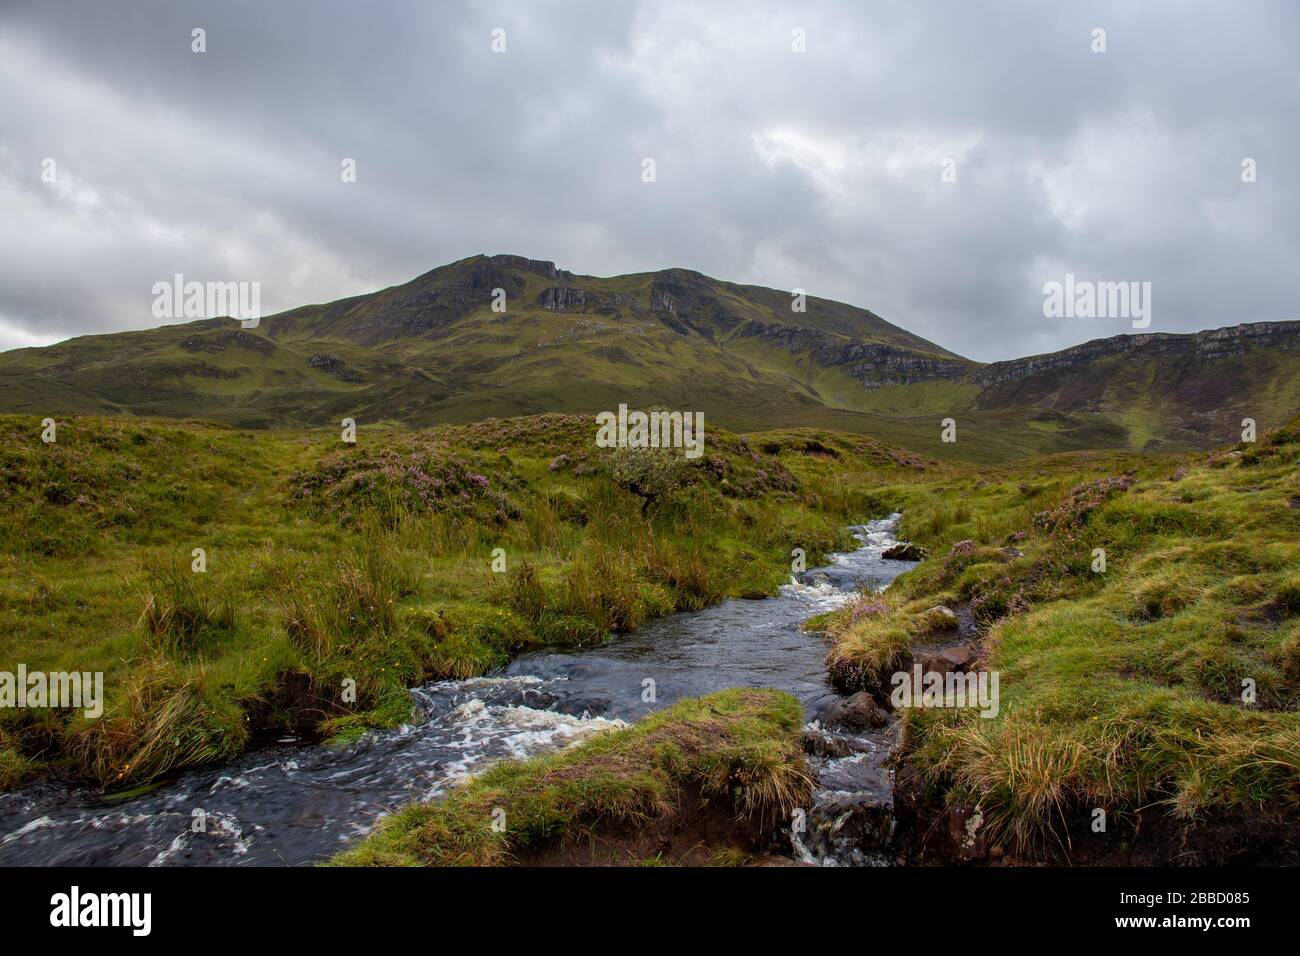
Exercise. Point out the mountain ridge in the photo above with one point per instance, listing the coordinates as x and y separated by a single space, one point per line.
433 349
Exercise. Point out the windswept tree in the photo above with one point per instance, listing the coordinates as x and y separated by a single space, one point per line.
651 473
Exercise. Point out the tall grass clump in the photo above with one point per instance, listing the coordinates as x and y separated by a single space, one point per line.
180 615
351 627
602 584
163 722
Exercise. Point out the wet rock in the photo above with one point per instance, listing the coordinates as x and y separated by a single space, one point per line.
961 656
830 746
931 829
905 551
847 829
935 663
859 712
966 828
823 745
949 659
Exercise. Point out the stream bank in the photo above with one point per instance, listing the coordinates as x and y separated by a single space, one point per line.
291 804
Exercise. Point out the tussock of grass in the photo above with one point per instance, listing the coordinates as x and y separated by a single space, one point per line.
868 652
14 767
180 614
161 726
740 747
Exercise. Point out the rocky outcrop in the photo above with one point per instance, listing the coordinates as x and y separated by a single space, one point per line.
218 340
539 266
328 363
874 365
569 299
686 302
1206 346
857 712
333 365
661 300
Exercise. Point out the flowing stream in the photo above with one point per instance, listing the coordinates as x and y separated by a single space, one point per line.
297 804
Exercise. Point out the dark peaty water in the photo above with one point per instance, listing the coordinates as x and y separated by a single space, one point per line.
296 804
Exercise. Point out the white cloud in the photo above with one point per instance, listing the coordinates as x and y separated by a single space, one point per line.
819 170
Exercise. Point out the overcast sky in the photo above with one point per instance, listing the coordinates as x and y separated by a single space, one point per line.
820 170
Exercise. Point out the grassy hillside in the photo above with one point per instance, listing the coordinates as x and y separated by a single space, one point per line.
434 351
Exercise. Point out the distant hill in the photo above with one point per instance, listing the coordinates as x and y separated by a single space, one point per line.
433 350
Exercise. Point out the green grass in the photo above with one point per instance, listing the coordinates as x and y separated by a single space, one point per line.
739 748
337 577
1124 689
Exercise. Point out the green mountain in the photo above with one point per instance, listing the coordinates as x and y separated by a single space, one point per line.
434 350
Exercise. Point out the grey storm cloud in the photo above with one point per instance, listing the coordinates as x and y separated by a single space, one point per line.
818 170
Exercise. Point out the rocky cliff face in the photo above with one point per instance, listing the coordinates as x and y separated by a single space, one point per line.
688 302
1206 346
218 340
874 365
429 303
569 299
539 266
661 300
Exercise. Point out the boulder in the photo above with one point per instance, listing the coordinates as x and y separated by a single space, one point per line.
905 551
856 713
961 656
